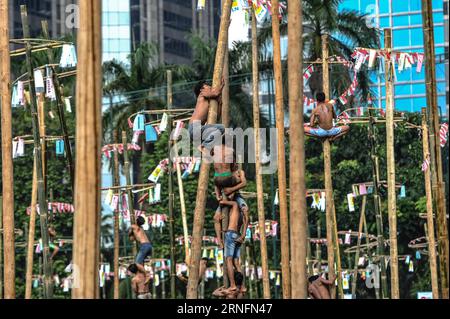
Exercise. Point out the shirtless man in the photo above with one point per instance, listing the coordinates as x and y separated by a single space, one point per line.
319 288
140 282
233 240
136 233
324 113
205 93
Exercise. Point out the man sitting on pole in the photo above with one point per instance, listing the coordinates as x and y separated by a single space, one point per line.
324 114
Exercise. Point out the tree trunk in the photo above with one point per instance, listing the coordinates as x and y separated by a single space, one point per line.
297 187
259 180
392 203
199 213
86 246
7 163
279 105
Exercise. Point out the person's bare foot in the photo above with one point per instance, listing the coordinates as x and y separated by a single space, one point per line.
219 292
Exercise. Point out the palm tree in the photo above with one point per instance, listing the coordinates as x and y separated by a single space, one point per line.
346 30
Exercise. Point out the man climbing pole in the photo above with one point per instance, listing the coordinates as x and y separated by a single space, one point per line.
234 238
324 114
136 233
197 123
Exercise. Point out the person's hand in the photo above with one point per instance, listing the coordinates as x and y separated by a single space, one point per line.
219 198
240 240
220 244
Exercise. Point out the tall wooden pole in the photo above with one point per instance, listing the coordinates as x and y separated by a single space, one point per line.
116 223
171 193
31 235
42 197
183 212
437 177
392 196
279 105
297 187
1 247
259 180
377 208
199 213
126 168
430 219
360 232
59 107
7 162
332 237
86 244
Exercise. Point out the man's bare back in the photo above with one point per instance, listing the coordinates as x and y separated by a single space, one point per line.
324 112
139 234
320 288
140 283
223 159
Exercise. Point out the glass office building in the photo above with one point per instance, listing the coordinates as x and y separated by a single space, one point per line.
405 19
116 30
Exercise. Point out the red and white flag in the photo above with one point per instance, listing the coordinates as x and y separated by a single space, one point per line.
443 134
425 164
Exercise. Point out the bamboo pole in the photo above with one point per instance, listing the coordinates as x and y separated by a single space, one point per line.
7 163
126 168
377 208
59 106
31 235
225 116
360 232
86 245
332 237
171 192
42 132
183 212
38 147
430 222
199 213
1 247
116 223
259 180
252 256
298 214
437 177
392 204
279 105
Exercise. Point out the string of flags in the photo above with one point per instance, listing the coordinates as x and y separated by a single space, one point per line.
152 132
271 230
403 60
18 147
108 149
207 239
188 164
343 98
55 207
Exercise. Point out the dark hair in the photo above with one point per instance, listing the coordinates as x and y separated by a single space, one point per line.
199 86
132 268
313 278
140 221
320 97
238 278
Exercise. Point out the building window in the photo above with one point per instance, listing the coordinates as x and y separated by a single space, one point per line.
177 47
176 21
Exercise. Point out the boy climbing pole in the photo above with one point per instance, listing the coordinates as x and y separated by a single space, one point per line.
140 282
233 239
136 233
324 114
204 94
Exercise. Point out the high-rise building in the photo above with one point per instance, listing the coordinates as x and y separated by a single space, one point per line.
116 30
405 19
168 24
55 12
